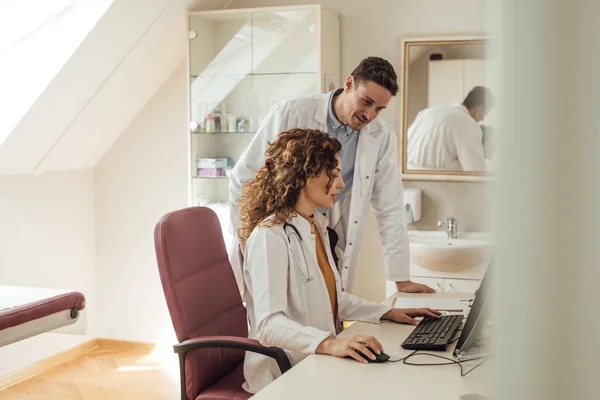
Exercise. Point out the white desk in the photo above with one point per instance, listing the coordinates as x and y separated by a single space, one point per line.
325 377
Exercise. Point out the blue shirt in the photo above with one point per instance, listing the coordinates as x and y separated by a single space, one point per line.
349 139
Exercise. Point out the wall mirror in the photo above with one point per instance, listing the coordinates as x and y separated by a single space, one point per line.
448 116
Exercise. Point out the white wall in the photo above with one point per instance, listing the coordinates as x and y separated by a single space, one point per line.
143 176
47 240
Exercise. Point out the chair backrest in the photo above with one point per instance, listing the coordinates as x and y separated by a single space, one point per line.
200 290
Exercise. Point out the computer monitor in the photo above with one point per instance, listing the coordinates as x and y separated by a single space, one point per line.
478 315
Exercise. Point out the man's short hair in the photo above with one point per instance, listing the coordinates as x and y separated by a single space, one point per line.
377 70
479 96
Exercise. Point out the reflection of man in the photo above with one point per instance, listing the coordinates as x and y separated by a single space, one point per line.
449 137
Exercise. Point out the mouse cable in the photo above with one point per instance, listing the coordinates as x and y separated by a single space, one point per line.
403 358
413 353
451 362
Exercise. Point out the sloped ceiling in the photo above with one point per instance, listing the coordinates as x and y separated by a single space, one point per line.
120 65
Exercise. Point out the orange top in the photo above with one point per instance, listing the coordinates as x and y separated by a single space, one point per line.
326 271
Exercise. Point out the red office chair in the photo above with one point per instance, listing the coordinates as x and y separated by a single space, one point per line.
205 306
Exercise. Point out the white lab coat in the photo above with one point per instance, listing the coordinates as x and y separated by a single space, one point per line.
447 138
284 308
377 181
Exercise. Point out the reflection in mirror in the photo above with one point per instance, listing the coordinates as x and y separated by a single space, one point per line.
448 116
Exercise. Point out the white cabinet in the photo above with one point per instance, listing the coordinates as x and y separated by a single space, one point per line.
294 30
475 73
446 84
451 80
449 284
461 285
441 284
437 284
241 62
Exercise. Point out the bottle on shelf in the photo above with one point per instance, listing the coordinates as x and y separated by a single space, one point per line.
232 122
242 125
224 123
217 117
209 124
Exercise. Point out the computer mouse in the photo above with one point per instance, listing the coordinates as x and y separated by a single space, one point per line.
473 396
379 358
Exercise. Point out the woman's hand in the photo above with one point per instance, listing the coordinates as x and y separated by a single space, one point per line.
348 347
407 315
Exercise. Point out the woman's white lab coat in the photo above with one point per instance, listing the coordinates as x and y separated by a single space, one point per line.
377 182
286 297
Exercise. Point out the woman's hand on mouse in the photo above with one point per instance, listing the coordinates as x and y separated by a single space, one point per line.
407 315
348 347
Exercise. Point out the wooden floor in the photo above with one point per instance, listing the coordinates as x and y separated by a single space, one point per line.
104 374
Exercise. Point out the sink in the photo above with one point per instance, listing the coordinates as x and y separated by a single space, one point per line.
433 250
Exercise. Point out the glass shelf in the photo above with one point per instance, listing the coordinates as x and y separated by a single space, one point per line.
260 74
239 68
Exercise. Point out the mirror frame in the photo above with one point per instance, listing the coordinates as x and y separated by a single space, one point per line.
431 175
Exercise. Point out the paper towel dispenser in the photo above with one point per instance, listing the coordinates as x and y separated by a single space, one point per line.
412 205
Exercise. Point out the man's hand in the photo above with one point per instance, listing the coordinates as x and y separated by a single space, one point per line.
407 315
413 287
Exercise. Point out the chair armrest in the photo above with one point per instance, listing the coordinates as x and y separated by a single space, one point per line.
235 342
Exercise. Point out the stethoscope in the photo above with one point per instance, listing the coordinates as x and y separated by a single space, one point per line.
306 274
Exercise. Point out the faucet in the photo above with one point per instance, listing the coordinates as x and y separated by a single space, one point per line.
451 227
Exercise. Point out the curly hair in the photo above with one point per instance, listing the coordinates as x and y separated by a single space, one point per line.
294 157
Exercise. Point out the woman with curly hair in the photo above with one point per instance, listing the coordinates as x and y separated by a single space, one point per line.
293 295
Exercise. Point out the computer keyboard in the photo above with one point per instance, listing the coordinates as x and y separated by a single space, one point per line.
433 333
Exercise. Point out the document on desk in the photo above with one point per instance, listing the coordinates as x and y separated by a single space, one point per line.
450 305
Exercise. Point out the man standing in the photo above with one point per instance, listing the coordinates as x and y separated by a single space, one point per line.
369 167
